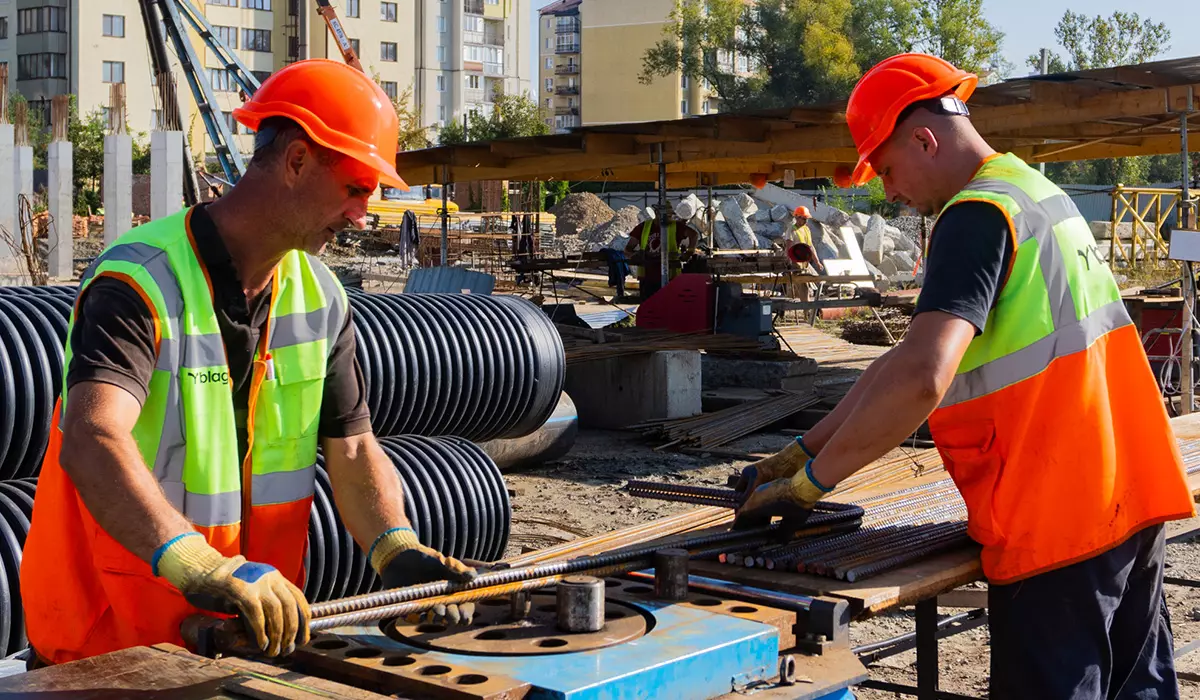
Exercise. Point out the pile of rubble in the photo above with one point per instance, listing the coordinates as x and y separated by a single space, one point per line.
579 211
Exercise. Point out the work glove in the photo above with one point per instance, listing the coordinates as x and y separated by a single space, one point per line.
782 464
401 560
274 610
792 498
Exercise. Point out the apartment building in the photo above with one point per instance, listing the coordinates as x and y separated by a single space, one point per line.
455 55
590 57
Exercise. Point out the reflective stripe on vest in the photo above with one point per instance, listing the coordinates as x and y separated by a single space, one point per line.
195 460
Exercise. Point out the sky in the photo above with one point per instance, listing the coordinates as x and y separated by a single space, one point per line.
1028 25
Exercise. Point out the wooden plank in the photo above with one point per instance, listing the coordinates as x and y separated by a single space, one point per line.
139 668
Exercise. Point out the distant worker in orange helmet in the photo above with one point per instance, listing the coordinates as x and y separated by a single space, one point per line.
803 250
1038 394
209 354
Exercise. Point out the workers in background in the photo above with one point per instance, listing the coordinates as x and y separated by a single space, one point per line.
209 354
804 251
647 238
1038 394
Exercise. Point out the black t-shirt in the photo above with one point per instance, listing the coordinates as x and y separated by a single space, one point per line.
112 341
970 251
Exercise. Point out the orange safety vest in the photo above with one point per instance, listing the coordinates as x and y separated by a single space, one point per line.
1053 428
83 592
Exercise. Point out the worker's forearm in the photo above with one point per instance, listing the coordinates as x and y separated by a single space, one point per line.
366 488
817 437
892 407
120 491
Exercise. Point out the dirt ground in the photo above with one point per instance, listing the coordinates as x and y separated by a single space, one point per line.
580 495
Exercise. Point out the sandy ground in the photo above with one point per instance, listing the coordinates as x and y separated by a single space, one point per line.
580 495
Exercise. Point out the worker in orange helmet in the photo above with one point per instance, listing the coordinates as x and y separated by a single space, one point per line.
1038 394
209 355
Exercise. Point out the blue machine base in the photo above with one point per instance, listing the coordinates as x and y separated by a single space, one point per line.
689 654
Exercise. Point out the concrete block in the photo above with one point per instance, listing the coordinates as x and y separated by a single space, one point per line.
621 391
719 372
60 261
166 173
860 221
118 186
8 196
873 240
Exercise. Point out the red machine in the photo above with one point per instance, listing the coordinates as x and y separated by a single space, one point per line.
685 305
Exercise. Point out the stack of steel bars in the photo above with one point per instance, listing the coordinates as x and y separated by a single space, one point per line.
638 342
725 426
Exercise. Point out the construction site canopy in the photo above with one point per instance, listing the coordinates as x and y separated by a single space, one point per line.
1103 113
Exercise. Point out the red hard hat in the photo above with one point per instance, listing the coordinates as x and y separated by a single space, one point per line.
338 106
802 211
887 89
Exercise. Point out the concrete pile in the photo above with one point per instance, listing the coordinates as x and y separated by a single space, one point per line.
888 250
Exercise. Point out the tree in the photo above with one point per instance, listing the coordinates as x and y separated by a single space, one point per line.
512 116
1100 42
806 51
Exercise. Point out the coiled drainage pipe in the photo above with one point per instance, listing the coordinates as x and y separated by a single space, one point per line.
553 440
453 495
479 367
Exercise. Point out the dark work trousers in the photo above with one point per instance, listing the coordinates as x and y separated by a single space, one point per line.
1093 630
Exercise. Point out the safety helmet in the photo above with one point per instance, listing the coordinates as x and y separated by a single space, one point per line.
802 211
338 107
888 89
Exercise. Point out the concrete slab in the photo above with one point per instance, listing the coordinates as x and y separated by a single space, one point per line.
761 374
621 391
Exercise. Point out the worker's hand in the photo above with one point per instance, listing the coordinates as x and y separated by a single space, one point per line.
274 610
792 498
402 560
784 463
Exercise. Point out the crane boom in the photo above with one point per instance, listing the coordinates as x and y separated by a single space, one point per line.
327 11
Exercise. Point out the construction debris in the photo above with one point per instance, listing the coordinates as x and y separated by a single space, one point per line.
578 212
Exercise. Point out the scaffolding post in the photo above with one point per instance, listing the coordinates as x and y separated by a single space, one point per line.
663 248
709 214
445 216
1188 282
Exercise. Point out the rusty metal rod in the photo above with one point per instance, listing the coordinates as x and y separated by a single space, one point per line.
903 558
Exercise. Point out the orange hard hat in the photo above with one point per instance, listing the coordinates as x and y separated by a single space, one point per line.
338 106
802 211
887 89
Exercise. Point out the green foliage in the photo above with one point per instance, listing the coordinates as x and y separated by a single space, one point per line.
877 201
558 191
512 116
1098 42
806 51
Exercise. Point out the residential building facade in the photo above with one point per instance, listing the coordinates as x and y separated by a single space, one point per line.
454 55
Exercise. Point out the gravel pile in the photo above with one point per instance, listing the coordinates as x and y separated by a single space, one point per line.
580 211
620 224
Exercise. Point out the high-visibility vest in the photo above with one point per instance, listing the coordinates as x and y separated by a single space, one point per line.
672 246
1053 428
84 593
804 235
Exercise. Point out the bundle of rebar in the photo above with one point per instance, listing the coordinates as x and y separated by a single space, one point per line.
633 342
725 426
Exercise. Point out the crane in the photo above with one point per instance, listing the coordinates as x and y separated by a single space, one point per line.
166 22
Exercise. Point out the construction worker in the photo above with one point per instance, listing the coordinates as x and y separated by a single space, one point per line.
209 354
647 238
1038 395
803 250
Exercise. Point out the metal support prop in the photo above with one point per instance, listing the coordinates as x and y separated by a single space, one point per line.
927 649
1188 285
663 249
445 215
712 219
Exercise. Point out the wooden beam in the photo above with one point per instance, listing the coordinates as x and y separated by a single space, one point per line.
1149 145
1058 111
817 116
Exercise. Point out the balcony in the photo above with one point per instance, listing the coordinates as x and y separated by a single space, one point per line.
473 7
567 111
567 48
473 94
494 37
493 70
568 25
566 90
470 37
567 69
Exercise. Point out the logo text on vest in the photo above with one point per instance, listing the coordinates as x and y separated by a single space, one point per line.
209 377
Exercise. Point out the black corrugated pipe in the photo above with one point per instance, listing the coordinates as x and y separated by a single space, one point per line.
33 328
480 367
553 440
453 495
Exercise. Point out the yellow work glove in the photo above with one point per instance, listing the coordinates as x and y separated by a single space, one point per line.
401 560
782 464
274 611
792 498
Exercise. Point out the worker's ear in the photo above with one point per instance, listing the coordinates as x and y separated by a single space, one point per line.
298 156
925 140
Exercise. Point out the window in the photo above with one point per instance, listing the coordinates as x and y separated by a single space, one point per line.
114 25
391 89
33 66
257 5
256 40
743 65
387 12
683 108
441 54
472 23
442 113
222 80
113 71
548 43
353 9
549 84
387 51
549 63
223 3
41 19
230 122
261 75
704 105
357 46
549 102
441 24
473 82
3 27
441 83
683 83
228 35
